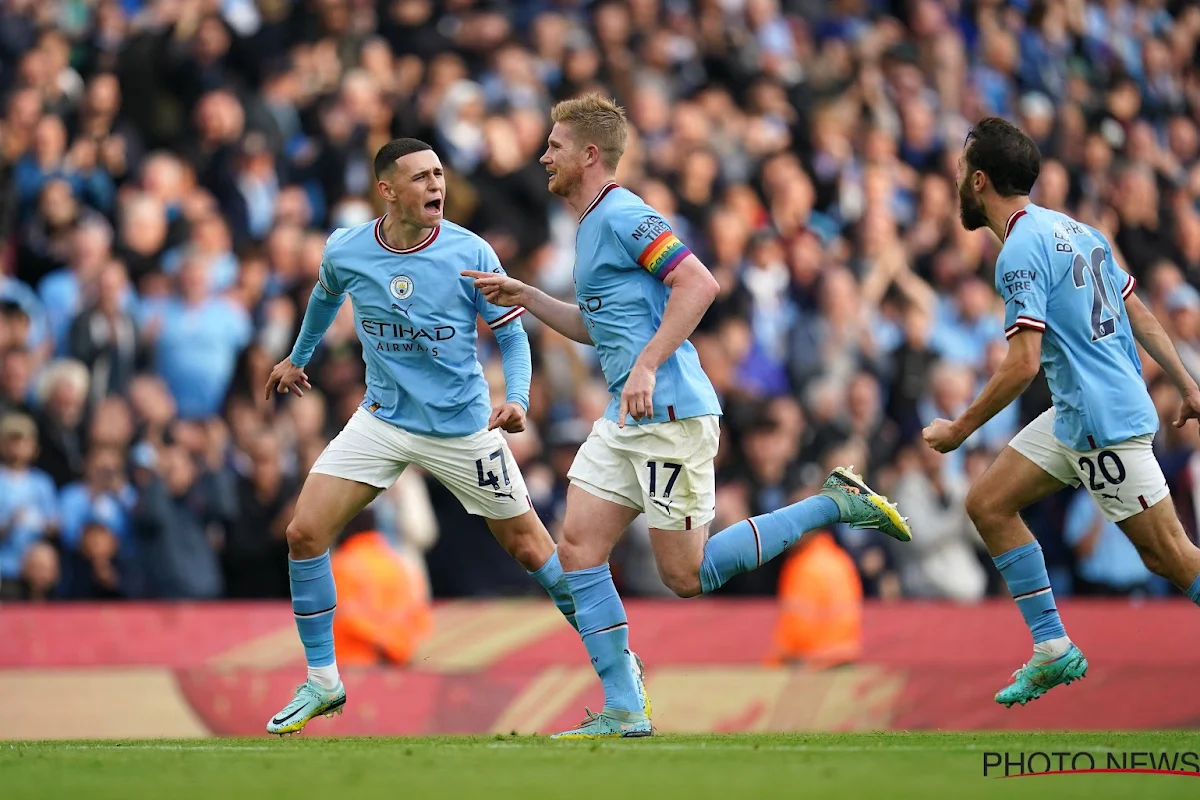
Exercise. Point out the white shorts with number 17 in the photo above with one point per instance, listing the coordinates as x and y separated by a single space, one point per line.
1125 478
479 469
662 468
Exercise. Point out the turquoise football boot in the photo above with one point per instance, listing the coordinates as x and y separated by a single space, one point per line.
863 507
310 701
1033 680
610 725
639 674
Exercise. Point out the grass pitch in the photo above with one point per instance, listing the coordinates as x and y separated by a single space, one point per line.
888 766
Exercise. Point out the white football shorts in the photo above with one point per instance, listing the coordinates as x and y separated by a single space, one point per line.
662 468
479 469
1125 478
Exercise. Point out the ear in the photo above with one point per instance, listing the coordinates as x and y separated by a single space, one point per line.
979 180
385 191
591 154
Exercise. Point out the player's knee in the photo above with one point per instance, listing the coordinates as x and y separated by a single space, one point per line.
1164 555
982 507
527 552
683 582
304 540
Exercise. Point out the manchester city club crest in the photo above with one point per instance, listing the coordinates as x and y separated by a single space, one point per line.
401 287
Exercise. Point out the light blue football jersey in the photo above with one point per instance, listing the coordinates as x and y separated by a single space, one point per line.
623 251
1059 276
416 318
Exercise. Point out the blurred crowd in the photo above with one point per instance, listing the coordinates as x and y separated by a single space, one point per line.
170 169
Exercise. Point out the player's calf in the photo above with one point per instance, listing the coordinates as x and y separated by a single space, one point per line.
326 504
1164 546
526 539
690 563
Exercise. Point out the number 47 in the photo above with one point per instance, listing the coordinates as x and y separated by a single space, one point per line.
490 478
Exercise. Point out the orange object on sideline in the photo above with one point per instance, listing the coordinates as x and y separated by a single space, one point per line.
821 600
383 610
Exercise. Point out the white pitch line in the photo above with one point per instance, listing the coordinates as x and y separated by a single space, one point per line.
177 747
542 744
788 748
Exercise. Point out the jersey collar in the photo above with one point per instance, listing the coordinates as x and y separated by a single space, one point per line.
1012 221
428 240
608 187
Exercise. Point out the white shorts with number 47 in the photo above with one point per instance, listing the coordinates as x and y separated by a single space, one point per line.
662 468
1125 478
479 469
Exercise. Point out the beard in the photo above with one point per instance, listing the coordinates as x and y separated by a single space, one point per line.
565 181
970 209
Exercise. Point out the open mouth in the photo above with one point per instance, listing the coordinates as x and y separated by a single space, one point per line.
434 206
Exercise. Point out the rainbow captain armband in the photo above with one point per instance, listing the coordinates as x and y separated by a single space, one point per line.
663 254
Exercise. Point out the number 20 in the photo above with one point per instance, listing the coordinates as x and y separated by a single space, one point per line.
1115 477
1101 302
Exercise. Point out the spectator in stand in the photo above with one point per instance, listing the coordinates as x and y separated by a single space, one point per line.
62 397
104 497
197 341
28 500
178 522
39 576
944 562
16 379
104 336
254 555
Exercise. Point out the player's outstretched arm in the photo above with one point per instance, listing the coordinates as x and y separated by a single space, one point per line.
518 372
1155 341
1014 375
501 290
693 289
288 375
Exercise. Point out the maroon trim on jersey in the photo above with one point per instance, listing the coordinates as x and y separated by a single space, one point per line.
1091 441
506 317
1130 285
603 193
671 413
326 288
428 240
1024 322
1020 212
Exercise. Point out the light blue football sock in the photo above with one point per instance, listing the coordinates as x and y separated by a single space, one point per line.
753 542
605 633
1024 570
1193 591
550 576
314 598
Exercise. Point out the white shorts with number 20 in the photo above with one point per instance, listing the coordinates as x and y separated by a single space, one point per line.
662 468
1125 478
479 469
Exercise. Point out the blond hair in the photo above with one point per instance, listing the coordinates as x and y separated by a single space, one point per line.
596 119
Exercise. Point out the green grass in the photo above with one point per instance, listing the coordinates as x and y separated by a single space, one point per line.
888 766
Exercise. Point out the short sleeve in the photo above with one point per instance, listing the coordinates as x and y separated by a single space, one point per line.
327 275
495 316
649 240
1124 282
1023 280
